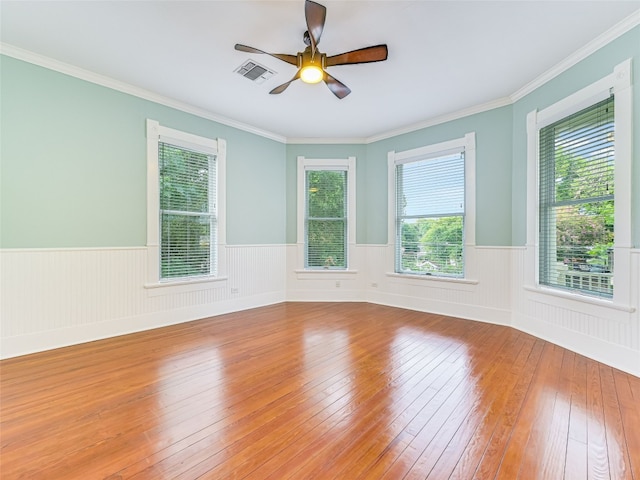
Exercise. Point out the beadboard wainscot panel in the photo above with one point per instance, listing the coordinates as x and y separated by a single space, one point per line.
606 334
486 299
56 297
485 296
326 285
256 270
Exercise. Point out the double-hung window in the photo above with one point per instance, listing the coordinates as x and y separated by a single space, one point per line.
579 193
188 223
326 212
431 202
185 219
576 200
326 219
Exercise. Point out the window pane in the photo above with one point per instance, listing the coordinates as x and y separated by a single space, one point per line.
326 190
431 187
432 245
184 179
185 249
326 243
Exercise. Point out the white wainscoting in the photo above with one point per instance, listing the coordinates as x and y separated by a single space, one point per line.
609 335
326 285
56 297
487 300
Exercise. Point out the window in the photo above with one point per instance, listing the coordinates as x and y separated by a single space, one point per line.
579 193
431 199
185 225
326 212
188 223
326 219
576 201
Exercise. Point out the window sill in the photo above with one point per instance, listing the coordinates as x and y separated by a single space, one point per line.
579 297
328 274
432 278
184 285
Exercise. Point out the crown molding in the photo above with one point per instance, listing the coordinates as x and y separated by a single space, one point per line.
594 45
326 141
614 32
82 74
500 102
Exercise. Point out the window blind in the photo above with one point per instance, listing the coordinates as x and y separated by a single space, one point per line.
187 212
430 200
326 219
576 199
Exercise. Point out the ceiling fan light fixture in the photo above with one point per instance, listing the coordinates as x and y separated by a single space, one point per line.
312 63
311 74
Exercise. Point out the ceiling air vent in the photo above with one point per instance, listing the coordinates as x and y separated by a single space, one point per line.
254 71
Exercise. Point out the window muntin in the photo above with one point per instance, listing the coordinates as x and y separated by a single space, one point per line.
326 210
576 201
430 215
188 225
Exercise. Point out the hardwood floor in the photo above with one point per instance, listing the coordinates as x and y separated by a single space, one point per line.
319 391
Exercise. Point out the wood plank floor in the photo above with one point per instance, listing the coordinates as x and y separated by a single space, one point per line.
319 391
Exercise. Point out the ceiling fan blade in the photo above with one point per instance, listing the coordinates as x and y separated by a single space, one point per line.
376 53
315 15
292 59
338 88
283 87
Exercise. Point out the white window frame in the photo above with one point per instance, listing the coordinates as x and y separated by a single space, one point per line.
157 133
468 144
619 83
343 164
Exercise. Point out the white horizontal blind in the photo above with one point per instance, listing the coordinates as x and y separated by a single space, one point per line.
430 208
187 212
326 219
577 201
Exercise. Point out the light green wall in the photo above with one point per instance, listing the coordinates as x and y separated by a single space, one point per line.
73 162
593 68
73 165
493 173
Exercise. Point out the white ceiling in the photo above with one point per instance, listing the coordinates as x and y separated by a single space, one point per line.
444 56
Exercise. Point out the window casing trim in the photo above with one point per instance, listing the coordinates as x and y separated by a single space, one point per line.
466 144
343 164
157 133
619 83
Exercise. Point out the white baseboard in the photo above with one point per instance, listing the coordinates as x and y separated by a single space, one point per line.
53 298
469 312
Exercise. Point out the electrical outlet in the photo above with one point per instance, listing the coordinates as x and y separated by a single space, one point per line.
234 290
338 284
374 285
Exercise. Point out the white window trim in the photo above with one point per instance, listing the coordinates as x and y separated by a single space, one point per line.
468 144
155 134
348 164
618 82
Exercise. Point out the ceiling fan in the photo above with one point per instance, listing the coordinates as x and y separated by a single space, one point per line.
312 63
